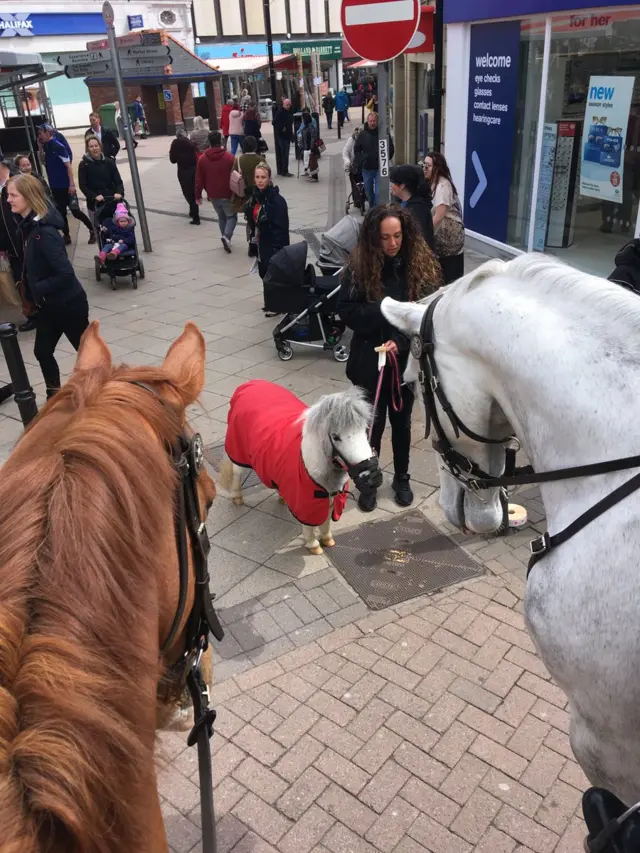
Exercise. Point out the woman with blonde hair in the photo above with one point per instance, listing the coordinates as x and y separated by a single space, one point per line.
200 134
49 282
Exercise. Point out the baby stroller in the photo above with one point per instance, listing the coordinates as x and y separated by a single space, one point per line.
127 263
357 196
337 245
308 302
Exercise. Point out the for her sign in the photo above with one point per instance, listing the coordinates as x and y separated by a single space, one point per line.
605 132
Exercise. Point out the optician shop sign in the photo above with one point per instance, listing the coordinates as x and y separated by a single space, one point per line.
456 11
16 24
493 86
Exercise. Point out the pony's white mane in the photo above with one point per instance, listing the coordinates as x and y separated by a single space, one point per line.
345 411
551 279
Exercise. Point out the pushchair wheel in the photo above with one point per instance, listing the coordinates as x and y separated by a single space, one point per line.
285 352
340 353
141 272
134 281
98 266
113 283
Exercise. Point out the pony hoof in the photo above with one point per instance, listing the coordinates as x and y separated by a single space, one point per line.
238 501
316 551
329 542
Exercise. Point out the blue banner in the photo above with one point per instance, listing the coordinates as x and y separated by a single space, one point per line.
482 10
14 24
493 87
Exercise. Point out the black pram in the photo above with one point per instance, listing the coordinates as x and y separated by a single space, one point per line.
127 263
308 301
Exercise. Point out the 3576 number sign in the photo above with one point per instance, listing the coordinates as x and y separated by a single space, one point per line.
383 152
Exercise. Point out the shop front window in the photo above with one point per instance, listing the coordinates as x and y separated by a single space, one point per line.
589 184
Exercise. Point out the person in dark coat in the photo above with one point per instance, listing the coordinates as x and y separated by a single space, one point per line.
329 105
309 139
409 186
108 139
283 137
390 259
51 283
11 243
366 157
268 218
98 176
627 271
184 153
252 121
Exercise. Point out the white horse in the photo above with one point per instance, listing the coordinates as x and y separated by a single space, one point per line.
537 349
306 453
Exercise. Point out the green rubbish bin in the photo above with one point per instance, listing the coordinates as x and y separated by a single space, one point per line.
108 116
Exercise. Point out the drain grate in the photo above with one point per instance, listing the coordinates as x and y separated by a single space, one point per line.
214 454
387 562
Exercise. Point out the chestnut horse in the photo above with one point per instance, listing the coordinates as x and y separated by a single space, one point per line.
89 587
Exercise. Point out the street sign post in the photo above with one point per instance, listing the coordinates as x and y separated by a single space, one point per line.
84 57
129 40
144 51
107 14
146 62
104 69
380 30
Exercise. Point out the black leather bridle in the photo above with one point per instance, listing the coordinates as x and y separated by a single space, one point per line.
471 476
187 453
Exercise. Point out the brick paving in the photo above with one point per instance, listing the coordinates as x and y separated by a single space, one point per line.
431 725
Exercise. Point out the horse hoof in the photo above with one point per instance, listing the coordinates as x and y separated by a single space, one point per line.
317 551
238 501
329 542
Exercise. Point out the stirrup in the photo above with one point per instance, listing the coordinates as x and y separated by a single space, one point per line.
613 828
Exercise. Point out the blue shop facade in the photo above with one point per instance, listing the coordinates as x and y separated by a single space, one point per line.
542 125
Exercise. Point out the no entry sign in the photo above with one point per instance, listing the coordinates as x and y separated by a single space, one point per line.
379 30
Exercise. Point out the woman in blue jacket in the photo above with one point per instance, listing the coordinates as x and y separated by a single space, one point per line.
48 277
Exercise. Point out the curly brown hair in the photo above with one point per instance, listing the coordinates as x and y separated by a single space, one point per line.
423 271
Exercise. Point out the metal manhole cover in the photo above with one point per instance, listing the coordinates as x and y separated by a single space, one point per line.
214 454
387 562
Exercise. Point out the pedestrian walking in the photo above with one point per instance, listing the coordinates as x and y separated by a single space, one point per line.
224 121
246 164
342 107
213 176
283 137
55 153
268 217
98 176
390 259
184 153
139 117
120 124
236 127
410 187
108 139
310 148
366 153
329 105
49 280
10 239
252 121
448 224
199 135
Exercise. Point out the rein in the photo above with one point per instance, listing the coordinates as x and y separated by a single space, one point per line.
396 387
471 476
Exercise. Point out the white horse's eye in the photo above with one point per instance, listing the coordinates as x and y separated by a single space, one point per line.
336 438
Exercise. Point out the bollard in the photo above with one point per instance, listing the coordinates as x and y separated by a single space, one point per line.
22 390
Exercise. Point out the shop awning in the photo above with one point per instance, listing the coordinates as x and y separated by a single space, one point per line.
25 69
251 64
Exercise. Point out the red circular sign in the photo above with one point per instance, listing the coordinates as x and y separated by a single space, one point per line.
379 30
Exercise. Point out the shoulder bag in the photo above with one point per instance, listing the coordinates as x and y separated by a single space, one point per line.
449 237
236 180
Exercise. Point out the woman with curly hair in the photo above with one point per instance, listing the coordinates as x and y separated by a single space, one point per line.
390 259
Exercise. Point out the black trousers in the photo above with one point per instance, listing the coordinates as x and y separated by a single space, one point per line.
341 117
400 425
329 116
282 155
61 198
70 320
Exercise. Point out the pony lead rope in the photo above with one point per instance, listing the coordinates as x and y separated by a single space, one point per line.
396 383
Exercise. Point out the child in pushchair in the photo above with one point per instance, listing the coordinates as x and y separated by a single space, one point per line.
117 255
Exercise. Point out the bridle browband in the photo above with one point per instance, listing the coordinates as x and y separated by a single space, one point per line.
469 474
187 453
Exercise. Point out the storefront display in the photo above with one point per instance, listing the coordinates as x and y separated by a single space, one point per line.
552 155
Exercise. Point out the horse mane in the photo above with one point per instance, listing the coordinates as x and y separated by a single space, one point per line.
80 524
345 411
551 278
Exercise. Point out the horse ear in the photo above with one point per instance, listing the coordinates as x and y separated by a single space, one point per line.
185 362
93 351
405 316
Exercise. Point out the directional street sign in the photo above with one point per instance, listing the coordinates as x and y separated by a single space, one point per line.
89 68
83 57
128 41
158 51
145 62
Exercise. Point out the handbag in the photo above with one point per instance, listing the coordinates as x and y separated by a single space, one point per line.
9 296
236 181
262 146
449 238
321 146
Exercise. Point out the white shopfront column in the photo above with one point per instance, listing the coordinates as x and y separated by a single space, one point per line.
540 134
457 101
340 82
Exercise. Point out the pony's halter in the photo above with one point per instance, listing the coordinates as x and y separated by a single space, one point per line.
366 475
465 470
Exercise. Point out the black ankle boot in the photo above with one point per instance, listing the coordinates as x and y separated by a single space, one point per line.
402 490
6 393
368 501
